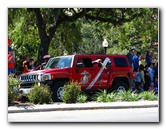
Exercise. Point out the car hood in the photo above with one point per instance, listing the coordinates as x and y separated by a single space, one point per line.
46 71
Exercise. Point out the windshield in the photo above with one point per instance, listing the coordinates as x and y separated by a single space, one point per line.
59 62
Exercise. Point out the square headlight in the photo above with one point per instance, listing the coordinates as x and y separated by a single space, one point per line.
46 77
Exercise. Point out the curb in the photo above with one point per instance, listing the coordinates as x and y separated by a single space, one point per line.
81 106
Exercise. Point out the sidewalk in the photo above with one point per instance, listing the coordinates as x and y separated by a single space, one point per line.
20 108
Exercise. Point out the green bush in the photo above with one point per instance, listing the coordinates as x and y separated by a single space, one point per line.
103 96
82 98
71 91
127 96
12 88
40 94
146 95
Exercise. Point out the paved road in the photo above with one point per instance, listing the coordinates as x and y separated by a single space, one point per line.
99 115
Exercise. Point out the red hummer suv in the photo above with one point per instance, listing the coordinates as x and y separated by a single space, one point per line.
92 71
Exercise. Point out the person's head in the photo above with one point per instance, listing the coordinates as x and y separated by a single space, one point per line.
146 67
31 59
151 84
27 59
147 53
141 67
138 53
80 61
36 63
46 58
151 65
131 51
136 70
156 79
10 52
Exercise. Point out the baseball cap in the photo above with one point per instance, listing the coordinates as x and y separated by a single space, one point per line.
46 56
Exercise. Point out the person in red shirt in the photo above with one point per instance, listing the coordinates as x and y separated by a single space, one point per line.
25 65
11 63
9 45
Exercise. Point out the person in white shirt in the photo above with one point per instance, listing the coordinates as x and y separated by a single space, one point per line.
151 72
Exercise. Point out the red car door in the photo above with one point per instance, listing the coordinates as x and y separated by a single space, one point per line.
89 75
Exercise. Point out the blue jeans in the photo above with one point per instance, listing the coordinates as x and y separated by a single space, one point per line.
10 70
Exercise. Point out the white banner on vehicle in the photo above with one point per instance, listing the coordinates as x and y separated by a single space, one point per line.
99 73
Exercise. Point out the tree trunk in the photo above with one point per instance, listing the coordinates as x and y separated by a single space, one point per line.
44 39
43 48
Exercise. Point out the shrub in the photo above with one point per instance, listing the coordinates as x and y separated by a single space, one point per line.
40 94
146 95
102 96
71 92
127 96
82 98
12 88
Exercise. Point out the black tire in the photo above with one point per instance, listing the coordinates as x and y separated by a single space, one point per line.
120 86
24 99
57 89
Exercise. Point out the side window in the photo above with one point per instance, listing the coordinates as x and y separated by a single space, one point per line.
87 62
108 64
120 62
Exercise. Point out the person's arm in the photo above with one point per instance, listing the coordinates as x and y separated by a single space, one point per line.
26 67
38 67
150 74
10 59
97 61
13 59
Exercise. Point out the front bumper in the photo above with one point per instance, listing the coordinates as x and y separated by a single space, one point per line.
25 88
25 91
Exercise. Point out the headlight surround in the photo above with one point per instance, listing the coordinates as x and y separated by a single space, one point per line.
46 77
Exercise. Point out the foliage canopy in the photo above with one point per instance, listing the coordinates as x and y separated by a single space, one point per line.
55 31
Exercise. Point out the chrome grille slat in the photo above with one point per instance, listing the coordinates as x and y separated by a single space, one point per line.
29 78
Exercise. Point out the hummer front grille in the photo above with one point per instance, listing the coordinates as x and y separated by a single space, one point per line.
29 78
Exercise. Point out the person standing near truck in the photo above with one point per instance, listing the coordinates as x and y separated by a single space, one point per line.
25 65
46 58
130 57
11 63
148 58
136 60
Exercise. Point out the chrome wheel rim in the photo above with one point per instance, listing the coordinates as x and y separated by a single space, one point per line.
121 89
59 93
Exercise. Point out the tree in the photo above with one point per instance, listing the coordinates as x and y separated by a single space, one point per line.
40 28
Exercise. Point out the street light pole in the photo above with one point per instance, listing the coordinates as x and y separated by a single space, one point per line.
105 45
105 50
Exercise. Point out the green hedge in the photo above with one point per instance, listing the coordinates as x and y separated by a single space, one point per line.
71 92
103 96
40 94
12 88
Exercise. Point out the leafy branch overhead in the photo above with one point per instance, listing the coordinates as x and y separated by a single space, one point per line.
41 31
